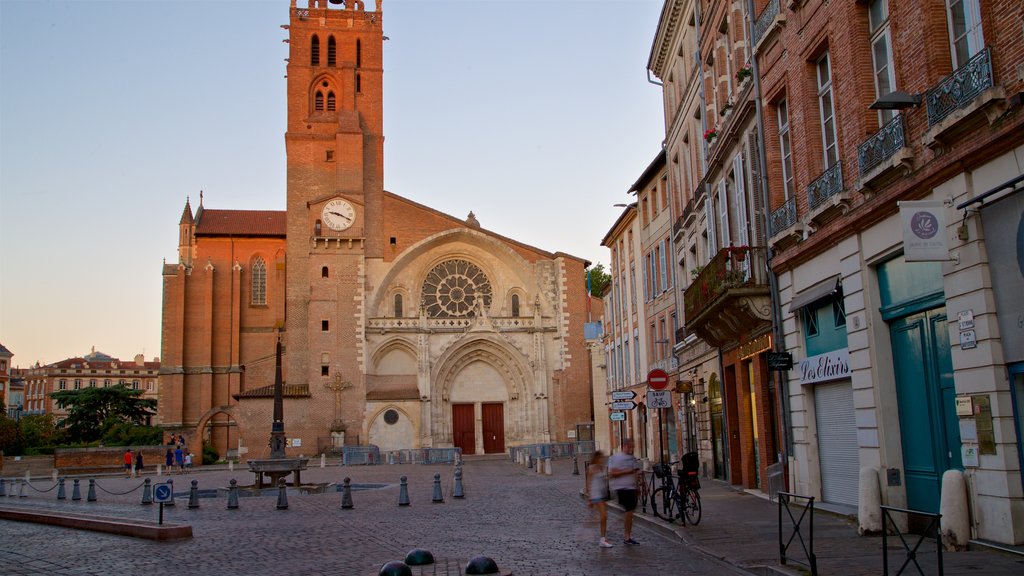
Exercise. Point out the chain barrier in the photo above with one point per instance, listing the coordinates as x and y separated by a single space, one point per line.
29 483
120 493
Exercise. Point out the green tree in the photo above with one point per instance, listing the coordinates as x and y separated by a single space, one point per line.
92 411
599 280
40 431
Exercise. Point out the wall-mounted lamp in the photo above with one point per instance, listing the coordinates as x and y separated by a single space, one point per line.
898 100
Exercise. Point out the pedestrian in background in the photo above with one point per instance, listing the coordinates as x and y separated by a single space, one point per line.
169 459
622 468
179 459
597 490
128 461
138 463
188 463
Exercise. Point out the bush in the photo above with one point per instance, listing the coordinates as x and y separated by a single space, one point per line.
125 434
210 455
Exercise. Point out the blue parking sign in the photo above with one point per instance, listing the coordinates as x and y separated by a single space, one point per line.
162 493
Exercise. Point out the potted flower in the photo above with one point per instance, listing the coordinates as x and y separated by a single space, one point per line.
710 134
744 73
725 109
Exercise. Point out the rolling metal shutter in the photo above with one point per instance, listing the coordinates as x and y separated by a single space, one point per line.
837 442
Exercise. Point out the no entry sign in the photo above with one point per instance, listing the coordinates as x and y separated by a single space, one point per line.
657 379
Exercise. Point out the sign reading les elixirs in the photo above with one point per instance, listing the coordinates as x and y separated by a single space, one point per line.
834 365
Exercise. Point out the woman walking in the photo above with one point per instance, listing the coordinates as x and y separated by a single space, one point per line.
597 487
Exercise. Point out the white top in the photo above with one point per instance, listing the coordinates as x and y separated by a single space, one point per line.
598 482
618 462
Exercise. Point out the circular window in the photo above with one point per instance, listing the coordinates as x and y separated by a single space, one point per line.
391 416
453 287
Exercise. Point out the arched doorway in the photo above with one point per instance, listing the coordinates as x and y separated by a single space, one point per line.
219 430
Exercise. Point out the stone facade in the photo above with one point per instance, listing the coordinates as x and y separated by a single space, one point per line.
403 327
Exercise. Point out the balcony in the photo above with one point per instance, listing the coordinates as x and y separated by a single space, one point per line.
826 197
769 22
884 156
960 101
730 296
784 228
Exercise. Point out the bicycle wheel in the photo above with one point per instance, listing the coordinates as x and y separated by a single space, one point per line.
691 506
664 504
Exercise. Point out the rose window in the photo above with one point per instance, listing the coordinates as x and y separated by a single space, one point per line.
453 287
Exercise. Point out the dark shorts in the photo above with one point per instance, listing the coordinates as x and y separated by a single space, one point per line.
627 498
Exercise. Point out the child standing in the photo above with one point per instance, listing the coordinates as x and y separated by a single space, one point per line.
597 487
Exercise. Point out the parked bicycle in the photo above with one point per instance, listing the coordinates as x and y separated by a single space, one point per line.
678 499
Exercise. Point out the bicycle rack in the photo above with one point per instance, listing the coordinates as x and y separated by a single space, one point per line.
808 547
911 553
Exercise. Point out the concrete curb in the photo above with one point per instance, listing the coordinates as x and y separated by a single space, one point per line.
119 526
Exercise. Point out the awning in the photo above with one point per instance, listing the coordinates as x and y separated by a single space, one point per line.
814 293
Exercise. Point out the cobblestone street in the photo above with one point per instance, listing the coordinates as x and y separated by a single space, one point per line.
528 523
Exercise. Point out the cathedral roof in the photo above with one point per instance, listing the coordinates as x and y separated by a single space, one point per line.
241 223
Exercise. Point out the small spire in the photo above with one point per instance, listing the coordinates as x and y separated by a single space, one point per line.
472 221
186 215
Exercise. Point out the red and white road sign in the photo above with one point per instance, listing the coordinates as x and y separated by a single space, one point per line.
657 379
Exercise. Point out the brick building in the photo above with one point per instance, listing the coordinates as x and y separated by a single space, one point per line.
5 374
403 327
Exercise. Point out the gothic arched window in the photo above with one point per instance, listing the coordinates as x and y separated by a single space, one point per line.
314 51
453 287
259 282
331 106
515 305
332 51
398 306
318 103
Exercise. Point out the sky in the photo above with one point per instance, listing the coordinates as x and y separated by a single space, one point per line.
536 115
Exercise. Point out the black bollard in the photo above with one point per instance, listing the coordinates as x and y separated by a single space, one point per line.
60 490
458 493
76 493
170 482
346 494
233 495
282 495
403 492
482 565
575 466
147 492
438 497
395 568
419 557
91 497
3 487
193 495
529 461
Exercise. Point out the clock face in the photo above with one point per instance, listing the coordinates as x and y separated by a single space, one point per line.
338 214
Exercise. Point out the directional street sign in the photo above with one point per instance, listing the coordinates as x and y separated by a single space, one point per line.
623 405
657 379
659 399
623 395
162 493
617 416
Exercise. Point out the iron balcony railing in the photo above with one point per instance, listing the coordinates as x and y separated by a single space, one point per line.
825 186
733 267
881 146
783 217
960 87
764 21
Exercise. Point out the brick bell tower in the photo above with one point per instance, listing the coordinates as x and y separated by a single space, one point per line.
335 150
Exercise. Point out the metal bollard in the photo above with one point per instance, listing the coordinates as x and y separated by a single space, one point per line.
193 495
76 493
575 466
91 497
346 494
438 497
403 492
458 493
529 461
147 492
60 490
170 482
21 489
282 495
547 466
233 495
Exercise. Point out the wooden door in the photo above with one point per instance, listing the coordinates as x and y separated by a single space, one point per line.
494 428
462 428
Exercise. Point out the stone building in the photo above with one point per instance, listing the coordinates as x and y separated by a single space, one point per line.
403 327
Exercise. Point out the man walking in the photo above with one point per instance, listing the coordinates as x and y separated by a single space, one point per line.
129 461
622 479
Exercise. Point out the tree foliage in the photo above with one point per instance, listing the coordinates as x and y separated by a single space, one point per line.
599 280
93 411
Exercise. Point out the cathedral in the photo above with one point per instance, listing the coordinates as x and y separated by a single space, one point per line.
403 327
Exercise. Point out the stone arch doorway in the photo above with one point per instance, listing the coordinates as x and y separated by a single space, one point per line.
218 428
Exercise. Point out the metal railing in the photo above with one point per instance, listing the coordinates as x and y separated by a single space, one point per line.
881 146
960 87
793 528
552 450
911 553
360 455
783 217
776 480
765 19
423 456
732 267
825 186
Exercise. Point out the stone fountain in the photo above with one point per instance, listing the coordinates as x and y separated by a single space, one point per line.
278 465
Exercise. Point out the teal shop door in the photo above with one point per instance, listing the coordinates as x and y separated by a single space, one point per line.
925 392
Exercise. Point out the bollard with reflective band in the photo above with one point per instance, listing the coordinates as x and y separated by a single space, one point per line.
438 497
403 492
346 494
147 492
233 495
282 495
193 495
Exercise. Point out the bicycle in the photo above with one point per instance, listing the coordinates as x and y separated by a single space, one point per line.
678 499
